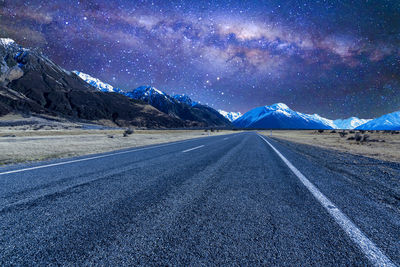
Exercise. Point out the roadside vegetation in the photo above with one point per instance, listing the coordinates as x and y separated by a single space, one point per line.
27 144
384 145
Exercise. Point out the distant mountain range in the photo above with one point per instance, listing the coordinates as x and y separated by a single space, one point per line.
350 123
32 83
280 116
178 106
231 116
389 121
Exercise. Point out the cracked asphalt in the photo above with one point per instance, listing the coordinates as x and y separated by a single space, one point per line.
231 201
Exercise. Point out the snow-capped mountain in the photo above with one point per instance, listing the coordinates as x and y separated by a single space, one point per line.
148 93
325 121
389 121
185 99
280 116
350 123
179 106
6 42
102 86
231 116
31 83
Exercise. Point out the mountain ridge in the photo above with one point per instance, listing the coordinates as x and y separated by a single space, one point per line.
177 106
390 121
280 116
32 83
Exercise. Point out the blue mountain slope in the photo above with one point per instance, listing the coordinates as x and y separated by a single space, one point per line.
280 116
389 121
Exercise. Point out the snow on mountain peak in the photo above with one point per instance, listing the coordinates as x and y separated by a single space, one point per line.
350 123
6 41
277 106
185 99
148 90
280 116
389 121
231 116
105 87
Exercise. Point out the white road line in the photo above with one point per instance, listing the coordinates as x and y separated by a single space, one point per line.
370 250
90 158
184 151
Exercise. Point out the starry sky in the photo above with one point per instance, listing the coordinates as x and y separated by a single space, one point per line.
336 58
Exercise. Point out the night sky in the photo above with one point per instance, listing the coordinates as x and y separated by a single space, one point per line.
335 58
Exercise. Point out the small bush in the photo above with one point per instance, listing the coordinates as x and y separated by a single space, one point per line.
128 132
358 137
343 134
333 131
110 136
365 138
320 131
362 131
352 132
351 138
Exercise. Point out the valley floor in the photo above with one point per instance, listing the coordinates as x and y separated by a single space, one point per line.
383 146
38 141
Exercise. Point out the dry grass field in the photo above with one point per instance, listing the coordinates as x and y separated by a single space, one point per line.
26 143
384 146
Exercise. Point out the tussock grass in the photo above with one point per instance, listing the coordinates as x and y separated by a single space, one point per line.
376 144
31 145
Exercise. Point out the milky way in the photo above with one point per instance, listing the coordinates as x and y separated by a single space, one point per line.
335 58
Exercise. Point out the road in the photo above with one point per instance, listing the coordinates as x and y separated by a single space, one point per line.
219 200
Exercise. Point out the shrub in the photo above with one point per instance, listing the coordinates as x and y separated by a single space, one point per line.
351 138
358 137
320 131
110 136
128 132
362 131
333 131
352 131
343 134
365 138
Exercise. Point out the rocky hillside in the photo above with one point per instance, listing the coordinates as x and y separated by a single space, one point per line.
32 83
180 106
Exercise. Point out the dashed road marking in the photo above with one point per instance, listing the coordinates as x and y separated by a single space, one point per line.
190 149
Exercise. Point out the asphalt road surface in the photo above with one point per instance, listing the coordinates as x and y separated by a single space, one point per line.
219 200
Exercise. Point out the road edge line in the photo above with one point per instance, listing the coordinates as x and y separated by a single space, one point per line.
370 250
